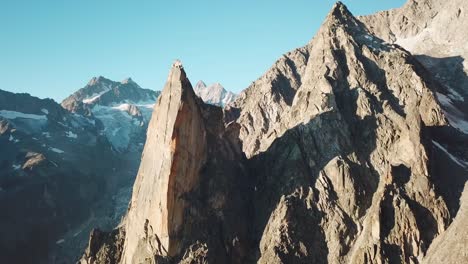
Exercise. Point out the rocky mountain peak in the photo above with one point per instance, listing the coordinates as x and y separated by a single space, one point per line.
98 80
174 153
200 85
112 104
332 156
340 10
128 81
178 64
177 161
340 14
214 94
217 86
177 74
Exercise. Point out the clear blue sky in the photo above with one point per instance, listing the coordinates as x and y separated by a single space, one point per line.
50 48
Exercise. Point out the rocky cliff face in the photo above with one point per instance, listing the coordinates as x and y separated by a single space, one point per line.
432 31
188 195
174 154
340 153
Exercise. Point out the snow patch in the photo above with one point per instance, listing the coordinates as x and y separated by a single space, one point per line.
412 42
95 96
62 124
122 107
462 163
71 134
46 134
16 166
454 95
60 241
12 139
45 111
456 117
13 115
114 132
56 150
117 123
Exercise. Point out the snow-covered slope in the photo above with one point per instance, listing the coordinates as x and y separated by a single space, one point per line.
123 109
59 176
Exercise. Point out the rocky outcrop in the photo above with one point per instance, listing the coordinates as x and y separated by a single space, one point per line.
450 246
187 195
340 153
104 247
174 155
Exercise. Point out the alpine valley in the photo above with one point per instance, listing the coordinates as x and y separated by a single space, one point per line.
350 149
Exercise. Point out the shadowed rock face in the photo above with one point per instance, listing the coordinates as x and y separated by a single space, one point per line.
58 175
330 157
324 166
431 30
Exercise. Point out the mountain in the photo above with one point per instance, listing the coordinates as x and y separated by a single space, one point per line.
67 168
214 94
59 177
184 136
123 108
340 153
431 30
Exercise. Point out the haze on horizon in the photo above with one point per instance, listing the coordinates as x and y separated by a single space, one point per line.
51 49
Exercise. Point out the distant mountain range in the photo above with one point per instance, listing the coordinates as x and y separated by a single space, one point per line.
123 109
68 167
214 94
350 149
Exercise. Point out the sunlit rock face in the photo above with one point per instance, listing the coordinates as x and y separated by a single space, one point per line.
177 164
339 153
431 31
171 162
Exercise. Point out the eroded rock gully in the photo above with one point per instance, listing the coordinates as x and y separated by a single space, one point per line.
327 158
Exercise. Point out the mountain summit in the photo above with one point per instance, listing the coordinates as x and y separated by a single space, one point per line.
214 94
339 153
114 104
174 152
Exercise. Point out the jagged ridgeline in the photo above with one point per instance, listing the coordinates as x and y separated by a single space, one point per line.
337 154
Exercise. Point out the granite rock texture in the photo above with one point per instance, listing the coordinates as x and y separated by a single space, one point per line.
339 153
